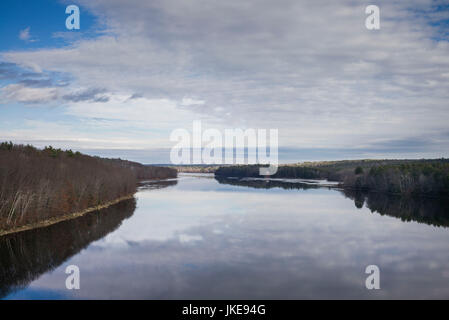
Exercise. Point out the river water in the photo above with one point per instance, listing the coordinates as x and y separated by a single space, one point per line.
199 238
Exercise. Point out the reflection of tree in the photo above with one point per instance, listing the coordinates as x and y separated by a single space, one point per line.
266 184
432 211
157 184
26 255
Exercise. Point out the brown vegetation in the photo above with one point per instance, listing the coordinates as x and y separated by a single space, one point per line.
36 185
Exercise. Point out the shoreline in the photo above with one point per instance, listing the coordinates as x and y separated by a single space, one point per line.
55 220
339 185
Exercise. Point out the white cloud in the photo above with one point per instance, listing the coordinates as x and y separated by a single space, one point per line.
153 114
25 35
191 102
21 93
311 69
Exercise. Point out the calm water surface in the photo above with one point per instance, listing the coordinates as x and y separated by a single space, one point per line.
196 237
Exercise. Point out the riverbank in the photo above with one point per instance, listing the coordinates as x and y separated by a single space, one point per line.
280 236
54 220
405 177
39 186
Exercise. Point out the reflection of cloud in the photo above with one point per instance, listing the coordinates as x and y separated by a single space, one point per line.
279 244
186 238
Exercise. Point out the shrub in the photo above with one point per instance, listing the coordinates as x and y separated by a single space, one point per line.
358 170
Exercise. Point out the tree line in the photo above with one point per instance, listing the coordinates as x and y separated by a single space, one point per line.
420 178
37 184
414 177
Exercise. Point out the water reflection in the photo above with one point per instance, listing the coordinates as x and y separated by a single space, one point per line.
156 184
200 239
431 211
26 255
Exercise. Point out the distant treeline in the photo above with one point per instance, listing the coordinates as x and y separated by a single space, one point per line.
283 172
36 184
267 184
423 177
145 172
196 168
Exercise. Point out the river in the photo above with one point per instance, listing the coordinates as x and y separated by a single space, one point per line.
198 238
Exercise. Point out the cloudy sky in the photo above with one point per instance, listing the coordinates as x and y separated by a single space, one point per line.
136 70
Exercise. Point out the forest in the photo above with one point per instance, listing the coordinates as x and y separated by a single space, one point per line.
413 177
39 184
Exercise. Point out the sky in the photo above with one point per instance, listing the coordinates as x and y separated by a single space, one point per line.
137 70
